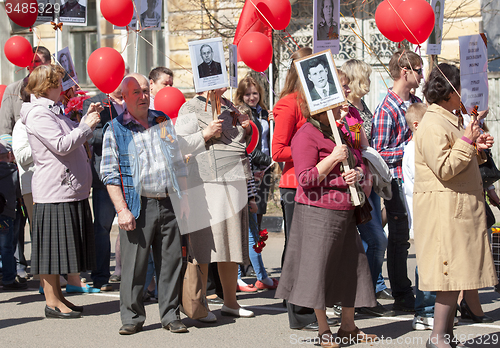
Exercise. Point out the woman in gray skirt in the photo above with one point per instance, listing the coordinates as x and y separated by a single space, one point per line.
325 263
63 235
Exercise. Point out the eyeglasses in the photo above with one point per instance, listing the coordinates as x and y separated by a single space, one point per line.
418 71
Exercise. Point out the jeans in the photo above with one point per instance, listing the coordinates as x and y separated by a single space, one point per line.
424 301
104 214
375 242
255 258
7 249
398 242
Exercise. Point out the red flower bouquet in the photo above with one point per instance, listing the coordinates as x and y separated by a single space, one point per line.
263 235
74 107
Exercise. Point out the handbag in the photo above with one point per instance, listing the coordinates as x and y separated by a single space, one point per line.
193 295
489 171
362 213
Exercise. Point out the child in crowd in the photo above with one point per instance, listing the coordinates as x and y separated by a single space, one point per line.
9 188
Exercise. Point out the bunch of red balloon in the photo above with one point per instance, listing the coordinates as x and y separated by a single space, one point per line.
412 20
255 49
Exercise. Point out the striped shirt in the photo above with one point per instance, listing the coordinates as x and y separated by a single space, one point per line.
390 132
153 166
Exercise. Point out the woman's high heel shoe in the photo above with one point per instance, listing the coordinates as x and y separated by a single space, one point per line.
466 313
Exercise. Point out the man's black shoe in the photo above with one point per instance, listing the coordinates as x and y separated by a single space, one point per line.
337 310
406 304
176 326
377 311
130 329
384 295
332 321
15 286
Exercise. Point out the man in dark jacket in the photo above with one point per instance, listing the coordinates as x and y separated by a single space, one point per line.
104 211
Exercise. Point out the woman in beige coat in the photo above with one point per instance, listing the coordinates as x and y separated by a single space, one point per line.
452 247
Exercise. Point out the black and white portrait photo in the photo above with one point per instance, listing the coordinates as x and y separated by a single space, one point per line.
326 25
320 83
73 12
64 59
46 11
208 66
207 60
151 14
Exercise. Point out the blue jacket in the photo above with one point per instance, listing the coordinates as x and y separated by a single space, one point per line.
129 160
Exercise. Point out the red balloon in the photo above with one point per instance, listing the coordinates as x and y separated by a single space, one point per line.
255 138
106 68
22 12
18 51
386 17
169 100
119 13
2 89
275 12
256 51
419 19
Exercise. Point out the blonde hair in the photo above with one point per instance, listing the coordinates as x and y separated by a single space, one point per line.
415 113
358 73
242 88
43 78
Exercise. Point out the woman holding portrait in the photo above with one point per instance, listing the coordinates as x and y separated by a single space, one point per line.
63 236
218 171
451 240
325 263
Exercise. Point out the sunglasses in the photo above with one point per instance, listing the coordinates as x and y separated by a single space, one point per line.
418 71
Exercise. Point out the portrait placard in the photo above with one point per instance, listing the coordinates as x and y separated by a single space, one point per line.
73 12
70 78
47 10
151 14
434 40
326 28
320 82
474 91
233 66
208 63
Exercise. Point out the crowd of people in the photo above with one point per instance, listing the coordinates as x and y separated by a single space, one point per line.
192 186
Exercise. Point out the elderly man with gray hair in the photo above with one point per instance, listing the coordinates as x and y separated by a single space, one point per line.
144 173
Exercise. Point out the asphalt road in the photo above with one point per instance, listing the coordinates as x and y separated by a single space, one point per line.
22 321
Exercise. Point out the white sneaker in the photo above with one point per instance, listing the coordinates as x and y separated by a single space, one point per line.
422 323
240 312
426 323
22 273
210 318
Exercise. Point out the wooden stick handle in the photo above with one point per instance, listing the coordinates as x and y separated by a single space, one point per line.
215 108
338 141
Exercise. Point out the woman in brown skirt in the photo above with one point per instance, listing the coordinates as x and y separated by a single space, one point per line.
63 235
325 263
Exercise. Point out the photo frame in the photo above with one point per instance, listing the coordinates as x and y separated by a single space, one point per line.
70 78
73 12
436 36
208 64
326 25
150 17
233 66
320 82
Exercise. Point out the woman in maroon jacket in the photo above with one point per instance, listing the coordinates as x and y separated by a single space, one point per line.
288 119
325 263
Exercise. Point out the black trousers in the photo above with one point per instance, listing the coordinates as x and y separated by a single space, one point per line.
298 316
156 227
